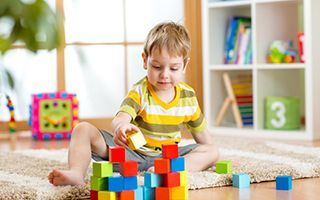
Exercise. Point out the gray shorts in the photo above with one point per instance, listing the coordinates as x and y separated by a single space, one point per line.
144 162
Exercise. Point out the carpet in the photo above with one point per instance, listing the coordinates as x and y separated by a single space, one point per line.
23 173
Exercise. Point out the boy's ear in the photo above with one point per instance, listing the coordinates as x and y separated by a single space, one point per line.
185 65
144 58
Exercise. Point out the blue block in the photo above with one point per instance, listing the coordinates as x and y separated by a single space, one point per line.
152 180
130 182
115 183
149 193
177 164
284 182
138 193
241 180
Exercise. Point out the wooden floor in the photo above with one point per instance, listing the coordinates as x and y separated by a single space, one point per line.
303 189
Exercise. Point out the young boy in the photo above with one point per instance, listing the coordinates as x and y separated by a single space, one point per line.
158 106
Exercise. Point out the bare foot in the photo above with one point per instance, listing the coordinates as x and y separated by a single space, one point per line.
65 177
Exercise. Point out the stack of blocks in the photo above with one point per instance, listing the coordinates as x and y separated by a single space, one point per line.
170 177
105 185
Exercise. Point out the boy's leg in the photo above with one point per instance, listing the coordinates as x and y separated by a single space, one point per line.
85 139
201 158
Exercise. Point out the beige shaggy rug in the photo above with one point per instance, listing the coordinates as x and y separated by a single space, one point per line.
23 174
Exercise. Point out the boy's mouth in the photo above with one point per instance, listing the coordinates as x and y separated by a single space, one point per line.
164 83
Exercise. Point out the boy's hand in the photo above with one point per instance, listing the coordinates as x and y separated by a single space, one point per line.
120 136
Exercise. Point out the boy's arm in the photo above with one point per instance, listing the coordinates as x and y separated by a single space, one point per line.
203 137
120 126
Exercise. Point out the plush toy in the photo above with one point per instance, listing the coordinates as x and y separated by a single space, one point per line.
281 52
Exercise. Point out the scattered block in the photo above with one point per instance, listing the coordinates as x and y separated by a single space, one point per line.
241 180
115 183
117 154
177 164
161 165
129 168
102 169
170 151
107 195
183 178
284 182
136 140
126 195
130 182
163 193
152 180
178 193
171 179
224 167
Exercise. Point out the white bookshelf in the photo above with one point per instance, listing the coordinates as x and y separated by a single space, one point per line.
270 20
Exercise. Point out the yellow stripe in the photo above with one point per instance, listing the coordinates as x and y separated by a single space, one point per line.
162 119
135 96
196 115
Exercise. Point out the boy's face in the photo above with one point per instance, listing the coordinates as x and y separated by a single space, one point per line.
163 70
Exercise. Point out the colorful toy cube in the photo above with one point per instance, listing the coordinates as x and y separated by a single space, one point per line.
129 168
136 140
161 165
170 151
152 180
53 115
177 164
224 167
241 180
102 169
284 182
171 179
117 154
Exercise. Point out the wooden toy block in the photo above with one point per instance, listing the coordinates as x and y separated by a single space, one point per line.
183 178
177 164
99 183
149 193
224 167
163 193
136 140
138 193
284 182
130 182
129 168
161 165
241 180
115 183
152 180
102 169
126 195
179 193
93 195
117 154
106 195
170 151
171 179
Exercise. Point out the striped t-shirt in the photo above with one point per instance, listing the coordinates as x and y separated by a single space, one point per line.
160 122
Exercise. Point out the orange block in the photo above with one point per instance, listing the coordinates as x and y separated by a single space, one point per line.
161 166
126 195
163 193
170 151
171 179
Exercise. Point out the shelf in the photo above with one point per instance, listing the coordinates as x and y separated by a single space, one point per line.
224 4
282 66
230 67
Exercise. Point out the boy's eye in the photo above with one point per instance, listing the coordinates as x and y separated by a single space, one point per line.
174 69
156 66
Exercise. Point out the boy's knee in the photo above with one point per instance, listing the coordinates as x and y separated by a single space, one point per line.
214 152
83 128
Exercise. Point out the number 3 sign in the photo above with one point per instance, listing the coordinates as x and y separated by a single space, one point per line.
282 113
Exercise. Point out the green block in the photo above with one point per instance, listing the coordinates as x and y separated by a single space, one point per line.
282 113
102 169
99 183
224 167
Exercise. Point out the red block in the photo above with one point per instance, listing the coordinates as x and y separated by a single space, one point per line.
117 154
162 193
129 168
161 165
93 195
126 195
171 179
170 151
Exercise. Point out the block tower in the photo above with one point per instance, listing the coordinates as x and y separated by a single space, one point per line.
105 185
53 115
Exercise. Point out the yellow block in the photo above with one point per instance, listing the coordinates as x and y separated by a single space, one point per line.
184 178
179 193
136 140
106 195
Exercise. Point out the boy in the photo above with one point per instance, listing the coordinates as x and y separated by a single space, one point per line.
158 105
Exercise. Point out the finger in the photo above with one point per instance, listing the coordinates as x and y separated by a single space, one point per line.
134 128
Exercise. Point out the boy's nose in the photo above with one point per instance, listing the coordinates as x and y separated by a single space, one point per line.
165 74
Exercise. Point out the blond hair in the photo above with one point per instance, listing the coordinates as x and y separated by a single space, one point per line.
171 36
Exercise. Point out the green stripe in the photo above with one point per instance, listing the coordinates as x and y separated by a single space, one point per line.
188 101
129 110
169 135
199 128
130 102
186 93
197 122
160 128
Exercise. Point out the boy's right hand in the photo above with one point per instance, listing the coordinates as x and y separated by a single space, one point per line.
120 136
